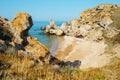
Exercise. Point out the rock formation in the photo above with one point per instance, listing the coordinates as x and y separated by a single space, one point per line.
53 29
99 23
95 24
14 35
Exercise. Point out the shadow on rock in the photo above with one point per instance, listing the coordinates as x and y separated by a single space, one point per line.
73 65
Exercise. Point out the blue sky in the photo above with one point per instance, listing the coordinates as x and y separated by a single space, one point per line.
44 10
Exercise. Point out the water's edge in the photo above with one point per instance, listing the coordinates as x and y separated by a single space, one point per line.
51 41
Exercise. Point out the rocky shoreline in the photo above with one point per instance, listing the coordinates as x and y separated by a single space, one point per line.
89 49
15 40
96 26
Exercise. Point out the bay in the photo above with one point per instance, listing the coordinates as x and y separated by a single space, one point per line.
51 41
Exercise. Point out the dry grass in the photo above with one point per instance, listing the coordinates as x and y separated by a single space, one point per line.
25 70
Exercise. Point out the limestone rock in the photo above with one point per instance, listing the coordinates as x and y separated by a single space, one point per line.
35 48
95 24
14 38
20 26
59 32
52 23
54 29
5 31
4 22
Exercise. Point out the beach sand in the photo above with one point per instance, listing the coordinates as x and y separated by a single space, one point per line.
90 53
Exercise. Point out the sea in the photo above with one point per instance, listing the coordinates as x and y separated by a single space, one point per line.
51 41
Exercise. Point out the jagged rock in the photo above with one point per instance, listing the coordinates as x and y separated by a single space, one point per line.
54 29
4 22
20 26
14 37
5 33
95 24
52 23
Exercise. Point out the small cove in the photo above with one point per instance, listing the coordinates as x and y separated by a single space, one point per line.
51 41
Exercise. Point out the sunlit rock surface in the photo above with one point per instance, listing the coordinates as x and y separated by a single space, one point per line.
15 35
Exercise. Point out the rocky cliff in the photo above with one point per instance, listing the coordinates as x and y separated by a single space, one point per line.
95 24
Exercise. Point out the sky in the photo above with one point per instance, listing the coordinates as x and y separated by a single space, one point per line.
44 10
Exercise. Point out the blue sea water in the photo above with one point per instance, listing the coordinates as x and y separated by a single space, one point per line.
51 41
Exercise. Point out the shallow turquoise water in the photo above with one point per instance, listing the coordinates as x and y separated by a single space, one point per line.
51 41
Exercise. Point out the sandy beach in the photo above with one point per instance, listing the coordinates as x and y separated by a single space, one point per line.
91 54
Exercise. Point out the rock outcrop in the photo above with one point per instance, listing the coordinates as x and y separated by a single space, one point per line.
14 38
53 29
101 22
20 26
96 24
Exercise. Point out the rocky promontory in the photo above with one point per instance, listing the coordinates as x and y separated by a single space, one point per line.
14 38
95 24
53 29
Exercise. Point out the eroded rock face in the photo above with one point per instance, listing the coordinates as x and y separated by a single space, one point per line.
35 48
20 26
14 37
5 33
95 24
